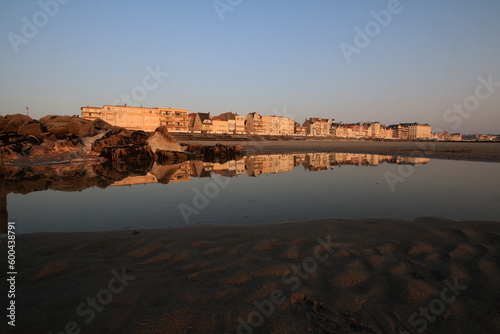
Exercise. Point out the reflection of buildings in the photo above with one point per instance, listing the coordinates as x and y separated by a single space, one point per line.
256 165
269 164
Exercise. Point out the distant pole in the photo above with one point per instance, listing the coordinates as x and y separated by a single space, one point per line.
27 111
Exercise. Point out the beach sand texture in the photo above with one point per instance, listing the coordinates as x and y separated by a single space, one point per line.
361 276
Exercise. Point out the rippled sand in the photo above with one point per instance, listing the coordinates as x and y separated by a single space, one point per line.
361 276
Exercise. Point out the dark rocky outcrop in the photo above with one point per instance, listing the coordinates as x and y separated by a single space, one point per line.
66 138
33 128
62 126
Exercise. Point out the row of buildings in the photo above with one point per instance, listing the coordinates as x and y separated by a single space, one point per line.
256 165
180 120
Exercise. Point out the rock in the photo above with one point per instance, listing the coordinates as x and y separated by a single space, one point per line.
18 148
169 157
100 126
24 118
139 137
162 140
56 125
112 138
80 127
132 152
13 126
61 126
34 128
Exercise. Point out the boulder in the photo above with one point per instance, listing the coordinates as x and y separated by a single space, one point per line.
162 140
115 137
12 126
18 148
57 125
100 126
24 118
61 126
34 128
80 127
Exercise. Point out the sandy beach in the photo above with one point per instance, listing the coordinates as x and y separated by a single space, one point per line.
474 151
318 276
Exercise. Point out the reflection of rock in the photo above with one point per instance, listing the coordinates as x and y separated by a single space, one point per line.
222 153
131 152
164 173
26 179
169 157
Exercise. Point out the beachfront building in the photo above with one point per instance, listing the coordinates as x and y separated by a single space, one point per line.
139 118
219 125
278 125
300 130
413 131
317 126
236 123
254 124
200 122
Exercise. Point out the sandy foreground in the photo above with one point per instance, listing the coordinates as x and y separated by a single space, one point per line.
318 276
476 151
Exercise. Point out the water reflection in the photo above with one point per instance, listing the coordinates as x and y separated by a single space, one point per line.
261 189
69 178
256 165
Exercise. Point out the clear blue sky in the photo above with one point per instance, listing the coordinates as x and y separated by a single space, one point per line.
263 55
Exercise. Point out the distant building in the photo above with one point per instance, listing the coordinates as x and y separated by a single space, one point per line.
300 130
139 118
254 124
200 122
219 125
417 131
236 123
317 126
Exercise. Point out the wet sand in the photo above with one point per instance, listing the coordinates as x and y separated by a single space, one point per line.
318 276
475 151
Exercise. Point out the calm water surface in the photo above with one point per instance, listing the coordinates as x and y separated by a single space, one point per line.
271 188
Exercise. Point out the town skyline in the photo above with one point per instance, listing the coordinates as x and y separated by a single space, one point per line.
182 121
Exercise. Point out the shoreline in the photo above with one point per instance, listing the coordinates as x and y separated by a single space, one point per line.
469 151
357 275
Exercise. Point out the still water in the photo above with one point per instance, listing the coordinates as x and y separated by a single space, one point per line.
262 189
